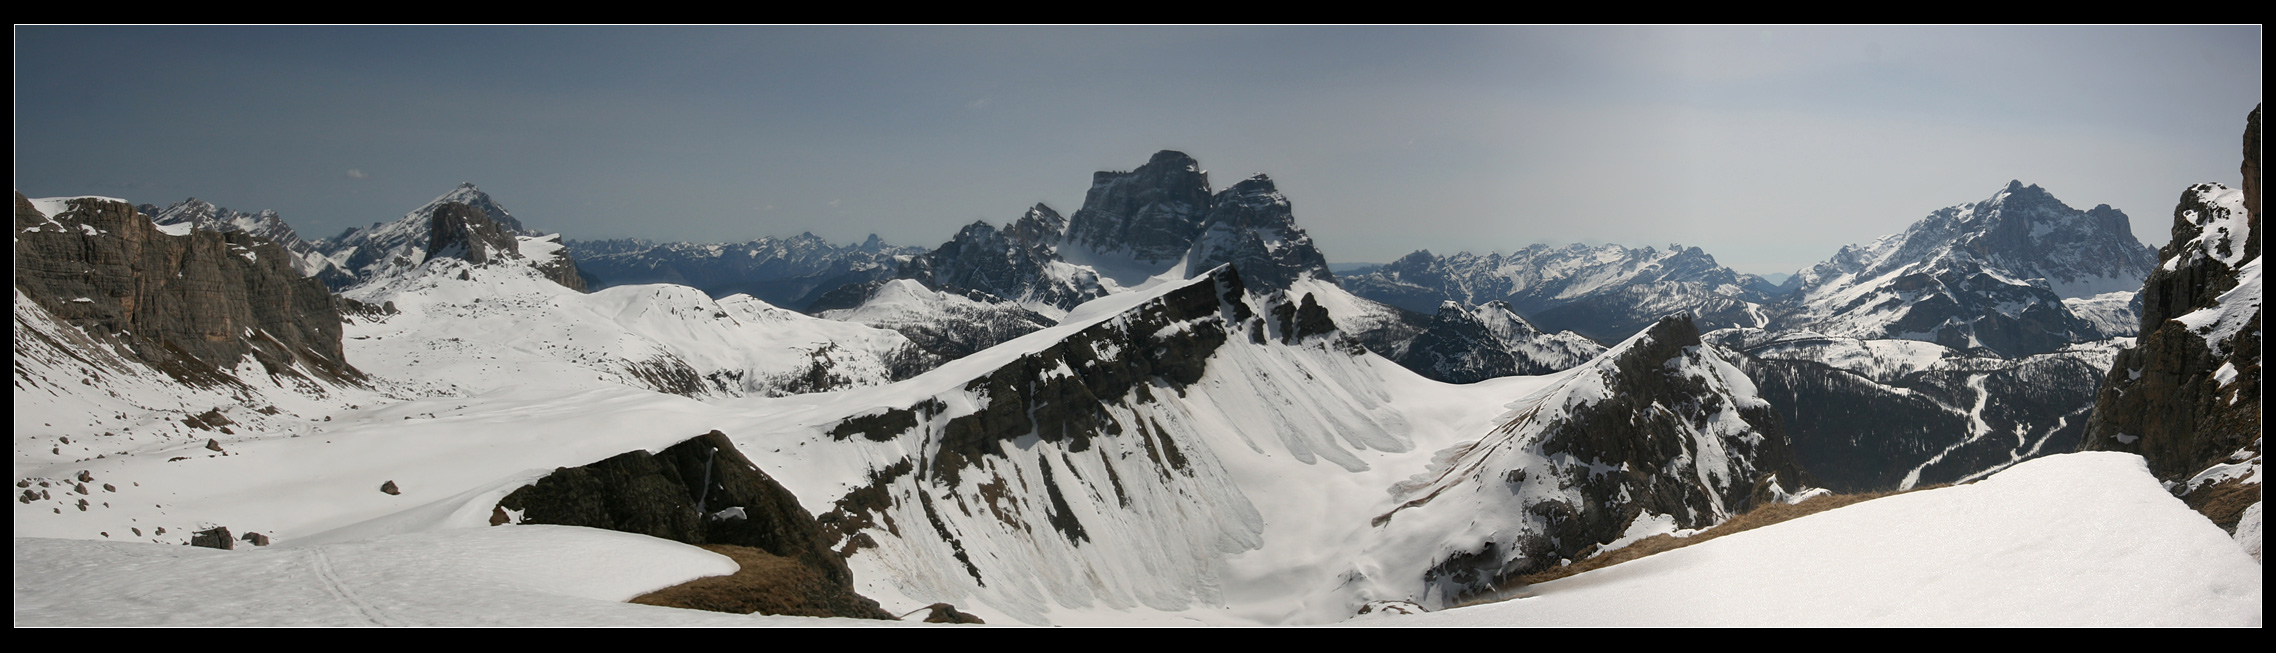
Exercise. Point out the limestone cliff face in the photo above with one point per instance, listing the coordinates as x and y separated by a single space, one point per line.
2187 395
192 305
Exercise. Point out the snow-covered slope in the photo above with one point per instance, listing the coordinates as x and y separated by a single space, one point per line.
1196 451
2080 540
526 576
480 328
949 325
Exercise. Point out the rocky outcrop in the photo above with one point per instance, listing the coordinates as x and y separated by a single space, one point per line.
1019 263
465 232
700 491
370 251
192 306
1150 214
2187 395
199 214
1662 427
1253 227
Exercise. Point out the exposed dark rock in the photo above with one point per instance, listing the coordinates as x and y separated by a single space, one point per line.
389 488
404 242
1015 263
2166 398
1153 212
191 306
1024 399
1253 227
1629 451
213 538
266 225
942 613
700 491
257 539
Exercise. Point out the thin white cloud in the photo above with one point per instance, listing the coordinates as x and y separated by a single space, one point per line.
356 174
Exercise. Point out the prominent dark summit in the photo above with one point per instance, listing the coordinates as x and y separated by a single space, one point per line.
1151 214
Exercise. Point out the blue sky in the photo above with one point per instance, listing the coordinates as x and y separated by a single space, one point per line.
1768 147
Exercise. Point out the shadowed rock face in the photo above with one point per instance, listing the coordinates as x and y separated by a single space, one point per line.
466 232
701 491
1253 227
191 306
2166 398
462 231
1640 448
1153 212
1014 263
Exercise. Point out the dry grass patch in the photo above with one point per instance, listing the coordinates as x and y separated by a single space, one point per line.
1759 517
766 584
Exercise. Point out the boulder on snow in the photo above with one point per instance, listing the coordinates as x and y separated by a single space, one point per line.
213 538
942 613
389 487
704 492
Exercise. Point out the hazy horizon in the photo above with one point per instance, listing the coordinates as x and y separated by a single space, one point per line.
1770 148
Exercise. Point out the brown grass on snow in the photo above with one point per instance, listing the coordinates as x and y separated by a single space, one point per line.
1759 517
766 584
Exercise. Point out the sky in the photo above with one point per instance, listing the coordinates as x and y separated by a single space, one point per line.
1770 148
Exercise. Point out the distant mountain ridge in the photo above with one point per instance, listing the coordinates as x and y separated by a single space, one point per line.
789 272
1606 292
367 251
2019 273
1994 274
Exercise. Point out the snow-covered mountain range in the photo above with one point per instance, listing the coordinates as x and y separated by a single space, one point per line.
1604 292
2004 274
1162 408
787 272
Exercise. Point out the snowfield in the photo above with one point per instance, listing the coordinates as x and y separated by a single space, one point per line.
2074 540
2084 539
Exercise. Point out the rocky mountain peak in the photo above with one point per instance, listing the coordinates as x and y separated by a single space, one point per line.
1252 226
1150 214
464 232
1039 224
